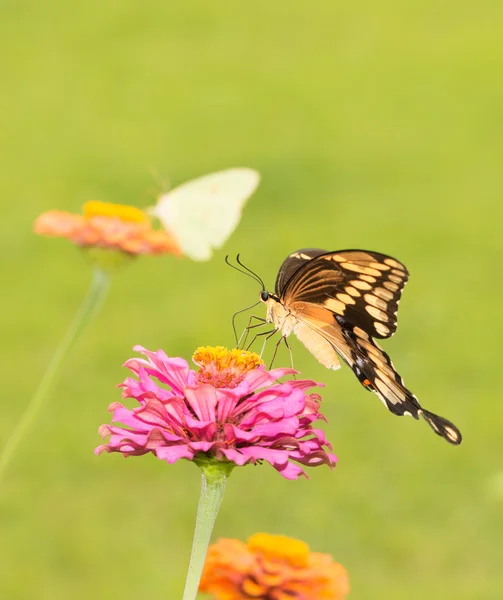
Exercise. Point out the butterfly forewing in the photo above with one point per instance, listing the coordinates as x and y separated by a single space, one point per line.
292 264
202 213
363 287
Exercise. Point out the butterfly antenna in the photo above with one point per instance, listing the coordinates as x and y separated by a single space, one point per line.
259 279
250 273
234 319
161 182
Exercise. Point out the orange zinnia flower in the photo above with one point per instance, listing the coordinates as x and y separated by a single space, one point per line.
271 567
109 226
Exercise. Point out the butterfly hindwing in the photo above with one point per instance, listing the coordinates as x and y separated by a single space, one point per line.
363 287
376 372
374 366
371 365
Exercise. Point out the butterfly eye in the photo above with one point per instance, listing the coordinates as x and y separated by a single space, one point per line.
264 296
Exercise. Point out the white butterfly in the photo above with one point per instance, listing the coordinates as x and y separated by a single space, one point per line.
202 213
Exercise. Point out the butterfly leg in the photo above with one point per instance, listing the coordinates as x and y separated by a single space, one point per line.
265 342
285 339
275 350
244 336
268 333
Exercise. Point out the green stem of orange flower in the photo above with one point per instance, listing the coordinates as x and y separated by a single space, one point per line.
89 307
214 478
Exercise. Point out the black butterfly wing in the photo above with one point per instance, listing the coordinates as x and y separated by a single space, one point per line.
292 264
362 286
319 329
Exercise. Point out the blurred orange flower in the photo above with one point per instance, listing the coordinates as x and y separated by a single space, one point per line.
271 567
110 226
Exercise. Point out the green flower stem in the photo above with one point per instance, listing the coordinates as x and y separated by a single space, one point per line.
89 307
214 478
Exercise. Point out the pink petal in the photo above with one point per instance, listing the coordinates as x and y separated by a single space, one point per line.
227 401
291 471
259 378
275 457
175 372
173 453
236 456
203 401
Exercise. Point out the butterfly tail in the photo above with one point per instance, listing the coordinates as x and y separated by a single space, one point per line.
442 427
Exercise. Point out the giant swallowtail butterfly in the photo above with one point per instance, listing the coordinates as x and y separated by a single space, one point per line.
336 303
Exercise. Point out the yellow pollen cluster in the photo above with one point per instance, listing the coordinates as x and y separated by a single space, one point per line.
95 208
222 358
280 548
221 367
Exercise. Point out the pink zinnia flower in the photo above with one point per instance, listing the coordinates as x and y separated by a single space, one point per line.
231 410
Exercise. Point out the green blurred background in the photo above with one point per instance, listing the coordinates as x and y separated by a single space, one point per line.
374 125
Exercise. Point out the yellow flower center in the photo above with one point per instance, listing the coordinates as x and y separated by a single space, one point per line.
221 367
95 208
280 548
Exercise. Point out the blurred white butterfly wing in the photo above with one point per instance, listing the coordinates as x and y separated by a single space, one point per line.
203 212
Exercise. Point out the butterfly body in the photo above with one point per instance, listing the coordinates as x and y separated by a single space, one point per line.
336 303
280 316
